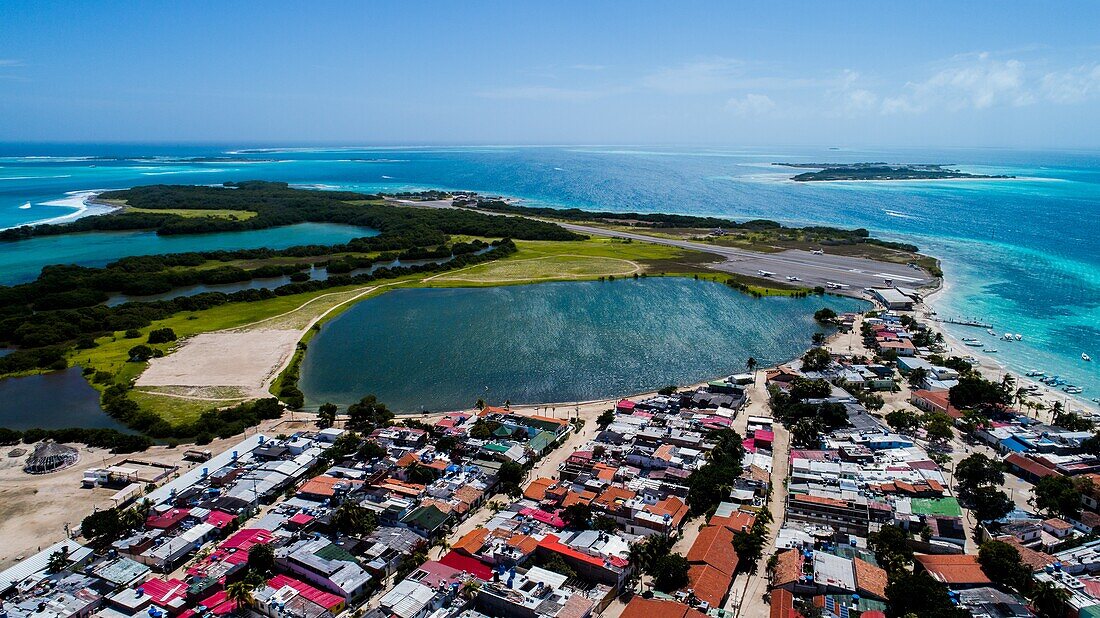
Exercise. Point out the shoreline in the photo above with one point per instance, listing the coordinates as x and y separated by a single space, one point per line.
994 368
84 202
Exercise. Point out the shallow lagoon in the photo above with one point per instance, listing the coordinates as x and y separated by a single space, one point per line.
53 400
21 261
442 349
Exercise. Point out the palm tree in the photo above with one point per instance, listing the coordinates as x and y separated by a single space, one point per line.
1056 412
1020 398
58 560
1048 599
751 366
241 592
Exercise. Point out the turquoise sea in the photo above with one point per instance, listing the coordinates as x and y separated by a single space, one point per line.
1021 254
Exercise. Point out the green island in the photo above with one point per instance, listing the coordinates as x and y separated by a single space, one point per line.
881 171
59 320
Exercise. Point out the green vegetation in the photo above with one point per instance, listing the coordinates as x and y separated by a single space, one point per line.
232 215
807 421
711 483
879 171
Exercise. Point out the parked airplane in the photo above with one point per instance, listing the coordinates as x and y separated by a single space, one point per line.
837 286
765 273
793 279
818 252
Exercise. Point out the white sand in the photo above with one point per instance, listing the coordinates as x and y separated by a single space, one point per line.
243 358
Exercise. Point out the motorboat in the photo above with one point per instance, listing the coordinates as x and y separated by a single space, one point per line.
974 344
1007 337
991 332
1019 337
1072 390
990 350
1085 357
969 339
1035 373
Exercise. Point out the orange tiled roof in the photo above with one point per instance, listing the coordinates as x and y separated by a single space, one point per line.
709 583
1036 560
673 507
953 568
657 608
819 500
468 494
788 567
524 543
325 485
578 497
537 489
782 605
870 579
604 472
714 547
472 542
407 460
736 522
608 498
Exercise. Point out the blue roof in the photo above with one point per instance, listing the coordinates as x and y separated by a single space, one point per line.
1014 445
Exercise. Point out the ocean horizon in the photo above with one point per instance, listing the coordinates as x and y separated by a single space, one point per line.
1017 253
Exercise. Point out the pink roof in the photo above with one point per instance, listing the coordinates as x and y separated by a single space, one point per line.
326 600
219 519
749 444
763 435
544 517
164 591
247 537
219 603
551 543
626 404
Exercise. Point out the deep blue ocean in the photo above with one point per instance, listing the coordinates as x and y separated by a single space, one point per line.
1021 254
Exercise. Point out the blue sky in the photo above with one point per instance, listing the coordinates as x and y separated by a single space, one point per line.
1004 74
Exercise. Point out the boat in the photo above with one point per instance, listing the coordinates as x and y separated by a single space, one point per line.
1035 373
1007 337
991 332
969 339
1085 357
1072 390
974 343
1019 337
990 350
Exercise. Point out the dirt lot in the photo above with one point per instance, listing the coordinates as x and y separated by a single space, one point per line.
245 359
34 509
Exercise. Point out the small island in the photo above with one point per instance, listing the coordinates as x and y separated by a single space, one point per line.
880 171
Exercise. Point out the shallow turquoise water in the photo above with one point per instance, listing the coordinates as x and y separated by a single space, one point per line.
1021 254
22 260
442 349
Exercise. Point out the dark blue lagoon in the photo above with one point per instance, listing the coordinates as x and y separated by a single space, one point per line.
53 400
22 260
442 349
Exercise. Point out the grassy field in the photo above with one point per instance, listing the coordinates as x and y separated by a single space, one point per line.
238 215
539 261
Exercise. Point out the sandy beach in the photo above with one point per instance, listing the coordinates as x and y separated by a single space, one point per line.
993 369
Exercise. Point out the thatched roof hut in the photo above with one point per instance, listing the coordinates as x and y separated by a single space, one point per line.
49 456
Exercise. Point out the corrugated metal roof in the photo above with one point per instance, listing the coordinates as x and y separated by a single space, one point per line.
37 563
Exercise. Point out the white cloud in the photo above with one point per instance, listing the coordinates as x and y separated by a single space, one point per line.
1071 86
975 81
751 104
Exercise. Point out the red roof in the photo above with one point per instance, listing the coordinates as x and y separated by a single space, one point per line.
466 564
219 519
1028 465
167 519
709 584
763 435
326 600
219 603
301 519
626 404
164 591
550 542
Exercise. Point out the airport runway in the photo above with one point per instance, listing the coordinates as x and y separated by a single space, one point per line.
810 269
